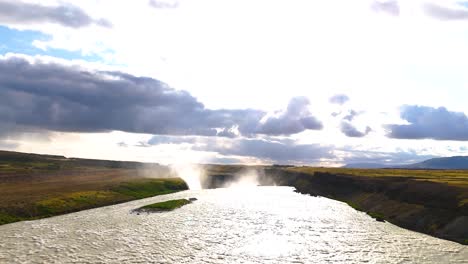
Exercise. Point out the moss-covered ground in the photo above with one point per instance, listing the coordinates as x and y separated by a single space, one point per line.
165 206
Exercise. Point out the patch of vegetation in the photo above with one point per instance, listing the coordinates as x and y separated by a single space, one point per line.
7 218
164 206
355 206
78 201
150 187
377 216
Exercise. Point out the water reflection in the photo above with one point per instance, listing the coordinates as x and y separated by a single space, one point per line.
249 224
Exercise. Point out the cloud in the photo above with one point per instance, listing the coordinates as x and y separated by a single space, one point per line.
13 131
296 118
56 97
163 4
351 115
283 151
447 11
339 99
430 123
267 149
17 12
390 7
398 157
122 144
349 130
288 151
6 145
458 12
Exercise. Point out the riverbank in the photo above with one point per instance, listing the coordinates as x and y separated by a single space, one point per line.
434 202
69 202
431 207
37 186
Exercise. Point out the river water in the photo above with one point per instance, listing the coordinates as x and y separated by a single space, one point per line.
235 225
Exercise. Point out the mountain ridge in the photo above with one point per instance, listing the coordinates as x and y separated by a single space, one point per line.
442 163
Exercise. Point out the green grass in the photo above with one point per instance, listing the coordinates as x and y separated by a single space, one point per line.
67 202
147 188
6 218
77 201
376 216
165 206
355 206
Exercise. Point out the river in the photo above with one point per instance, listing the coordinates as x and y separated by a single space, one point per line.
235 225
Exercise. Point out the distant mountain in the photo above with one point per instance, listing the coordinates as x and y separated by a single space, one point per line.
449 163
366 166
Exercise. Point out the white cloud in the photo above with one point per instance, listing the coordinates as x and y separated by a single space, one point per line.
259 54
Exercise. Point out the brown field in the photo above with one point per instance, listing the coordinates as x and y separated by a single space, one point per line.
36 186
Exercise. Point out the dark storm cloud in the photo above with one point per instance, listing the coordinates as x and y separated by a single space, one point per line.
64 98
295 119
389 7
275 150
349 130
17 12
13 131
445 13
430 123
287 151
339 99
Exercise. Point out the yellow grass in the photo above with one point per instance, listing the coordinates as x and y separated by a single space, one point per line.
451 177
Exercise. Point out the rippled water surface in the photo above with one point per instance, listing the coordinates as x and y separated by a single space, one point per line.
248 225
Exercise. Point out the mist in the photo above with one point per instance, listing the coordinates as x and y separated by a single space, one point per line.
244 179
192 174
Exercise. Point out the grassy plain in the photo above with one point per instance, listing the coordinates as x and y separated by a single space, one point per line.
450 177
37 186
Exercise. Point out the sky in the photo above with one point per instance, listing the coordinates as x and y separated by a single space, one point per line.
322 83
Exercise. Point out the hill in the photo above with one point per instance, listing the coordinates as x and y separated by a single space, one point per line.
448 163
366 166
